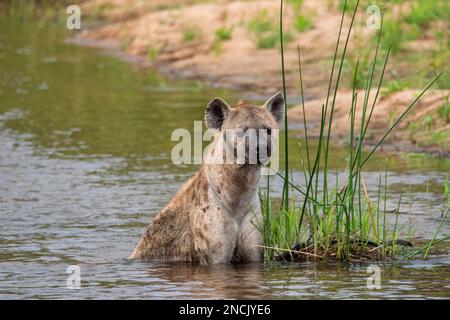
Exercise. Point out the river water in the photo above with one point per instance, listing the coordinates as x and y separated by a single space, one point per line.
85 163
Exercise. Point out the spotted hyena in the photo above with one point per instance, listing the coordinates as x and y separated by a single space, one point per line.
214 217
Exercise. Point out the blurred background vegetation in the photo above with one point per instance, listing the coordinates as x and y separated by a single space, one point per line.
236 43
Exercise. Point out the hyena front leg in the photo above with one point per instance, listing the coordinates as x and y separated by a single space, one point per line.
250 239
215 237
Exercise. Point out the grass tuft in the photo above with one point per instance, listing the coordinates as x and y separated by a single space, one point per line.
265 32
190 35
337 219
223 34
301 21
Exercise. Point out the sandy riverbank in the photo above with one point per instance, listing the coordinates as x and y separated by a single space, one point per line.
229 44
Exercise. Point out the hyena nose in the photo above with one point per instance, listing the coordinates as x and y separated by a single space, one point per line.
268 150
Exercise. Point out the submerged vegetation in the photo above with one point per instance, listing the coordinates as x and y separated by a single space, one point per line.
337 219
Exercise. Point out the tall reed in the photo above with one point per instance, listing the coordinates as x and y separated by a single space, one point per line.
339 220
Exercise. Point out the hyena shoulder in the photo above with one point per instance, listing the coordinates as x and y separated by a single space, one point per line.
170 235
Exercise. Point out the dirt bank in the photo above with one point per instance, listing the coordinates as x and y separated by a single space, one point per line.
184 40
422 130
235 44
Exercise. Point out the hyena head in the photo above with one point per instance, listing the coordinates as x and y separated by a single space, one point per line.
246 133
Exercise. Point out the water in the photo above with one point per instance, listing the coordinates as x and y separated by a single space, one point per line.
85 163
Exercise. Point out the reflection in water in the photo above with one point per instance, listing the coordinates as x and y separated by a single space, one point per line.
213 282
85 163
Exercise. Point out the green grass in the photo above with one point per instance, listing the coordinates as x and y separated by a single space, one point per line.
153 52
265 32
301 21
271 40
444 111
427 122
362 62
423 132
261 23
267 41
412 26
438 138
335 219
168 6
99 11
403 30
423 12
394 86
223 34
395 36
347 5
190 35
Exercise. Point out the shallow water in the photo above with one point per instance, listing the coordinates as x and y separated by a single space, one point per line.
85 163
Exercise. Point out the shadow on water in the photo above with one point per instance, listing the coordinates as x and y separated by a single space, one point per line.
85 163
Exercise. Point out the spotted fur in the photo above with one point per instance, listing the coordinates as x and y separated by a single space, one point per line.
213 218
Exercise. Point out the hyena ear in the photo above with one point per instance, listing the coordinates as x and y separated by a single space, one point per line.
275 105
216 112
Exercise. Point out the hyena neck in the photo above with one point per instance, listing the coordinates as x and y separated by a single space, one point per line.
232 186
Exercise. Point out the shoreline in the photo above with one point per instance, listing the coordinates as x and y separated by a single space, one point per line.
241 66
